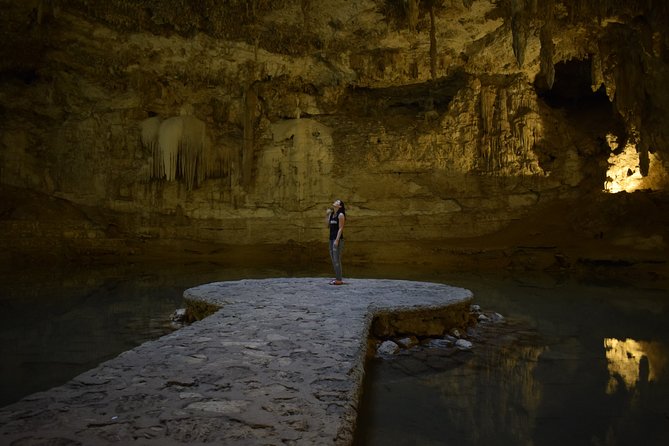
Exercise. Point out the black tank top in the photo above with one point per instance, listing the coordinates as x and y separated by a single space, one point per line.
334 224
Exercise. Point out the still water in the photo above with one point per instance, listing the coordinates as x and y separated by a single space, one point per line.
56 323
573 363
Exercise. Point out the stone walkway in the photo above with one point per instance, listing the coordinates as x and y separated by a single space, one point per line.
280 363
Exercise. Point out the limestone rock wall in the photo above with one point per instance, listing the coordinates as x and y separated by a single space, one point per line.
239 122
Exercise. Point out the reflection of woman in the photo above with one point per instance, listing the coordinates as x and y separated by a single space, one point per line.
336 219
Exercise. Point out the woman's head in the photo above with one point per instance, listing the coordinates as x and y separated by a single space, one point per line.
338 204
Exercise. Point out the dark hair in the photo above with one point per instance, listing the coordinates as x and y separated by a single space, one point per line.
343 208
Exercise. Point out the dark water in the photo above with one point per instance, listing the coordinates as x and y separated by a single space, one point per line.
56 323
573 363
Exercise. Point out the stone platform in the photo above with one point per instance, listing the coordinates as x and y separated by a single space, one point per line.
281 362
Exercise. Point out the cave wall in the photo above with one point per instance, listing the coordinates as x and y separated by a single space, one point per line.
239 122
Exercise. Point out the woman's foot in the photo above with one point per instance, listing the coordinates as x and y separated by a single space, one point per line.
336 282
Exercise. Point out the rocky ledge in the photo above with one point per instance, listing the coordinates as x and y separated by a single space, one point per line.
280 363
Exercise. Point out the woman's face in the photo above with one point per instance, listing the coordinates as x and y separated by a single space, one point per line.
336 204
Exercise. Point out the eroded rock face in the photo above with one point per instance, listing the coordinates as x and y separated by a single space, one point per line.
208 120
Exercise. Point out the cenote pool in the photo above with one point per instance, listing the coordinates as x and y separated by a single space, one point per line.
572 363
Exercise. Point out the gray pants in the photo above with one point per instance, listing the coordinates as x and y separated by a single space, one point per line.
335 255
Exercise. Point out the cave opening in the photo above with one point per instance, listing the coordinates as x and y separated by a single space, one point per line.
572 88
592 116
589 111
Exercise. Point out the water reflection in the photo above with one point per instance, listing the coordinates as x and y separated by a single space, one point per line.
544 378
507 396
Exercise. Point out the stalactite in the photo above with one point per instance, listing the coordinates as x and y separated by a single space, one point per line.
169 138
520 24
248 148
525 134
546 55
487 103
192 164
495 160
306 8
644 158
486 153
627 63
628 73
510 127
503 114
179 149
150 129
518 101
47 8
493 153
412 11
433 45
610 85
547 46
596 75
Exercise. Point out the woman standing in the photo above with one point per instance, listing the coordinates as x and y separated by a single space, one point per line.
336 219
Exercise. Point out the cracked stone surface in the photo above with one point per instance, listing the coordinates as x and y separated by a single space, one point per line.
280 363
